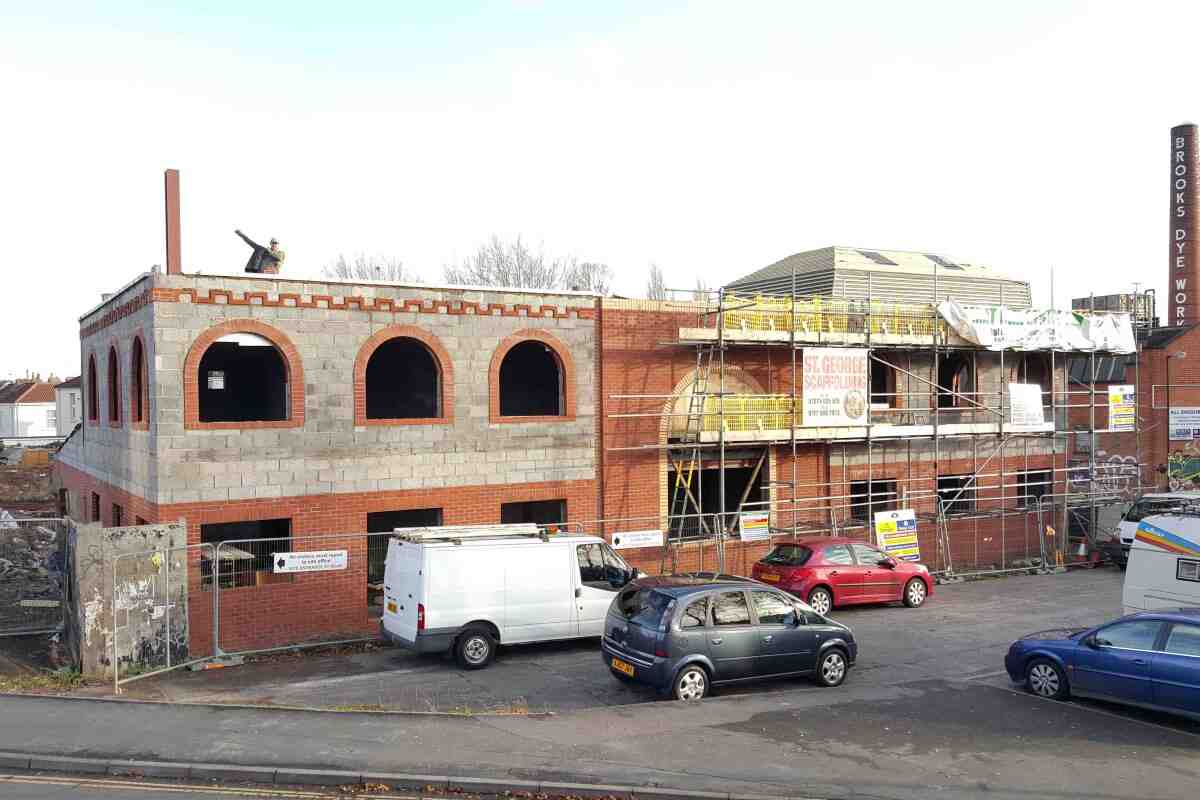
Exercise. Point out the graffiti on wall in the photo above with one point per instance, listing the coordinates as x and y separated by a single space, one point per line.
1183 469
1115 475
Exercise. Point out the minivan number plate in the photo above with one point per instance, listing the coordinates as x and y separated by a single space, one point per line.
391 607
621 666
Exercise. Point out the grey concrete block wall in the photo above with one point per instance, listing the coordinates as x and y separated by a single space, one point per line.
122 456
329 453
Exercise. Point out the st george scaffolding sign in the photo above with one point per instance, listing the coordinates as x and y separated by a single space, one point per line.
836 386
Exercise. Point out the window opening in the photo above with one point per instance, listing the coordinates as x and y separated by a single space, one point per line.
883 386
957 496
706 489
116 516
243 378
249 560
114 388
138 375
531 381
867 497
539 512
402 381
1032 486
381 522
93 391
955 374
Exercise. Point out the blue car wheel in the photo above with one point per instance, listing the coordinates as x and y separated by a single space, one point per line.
1046 679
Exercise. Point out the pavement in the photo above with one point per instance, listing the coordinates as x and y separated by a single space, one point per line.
926 712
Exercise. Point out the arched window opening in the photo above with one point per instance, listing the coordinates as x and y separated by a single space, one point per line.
93 391
114 387
956 376
531 382
243 378
403 381
137 387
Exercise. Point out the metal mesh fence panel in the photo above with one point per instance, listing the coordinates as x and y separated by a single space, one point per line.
33 579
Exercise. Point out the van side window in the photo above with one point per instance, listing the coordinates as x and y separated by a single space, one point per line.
695 615
591 566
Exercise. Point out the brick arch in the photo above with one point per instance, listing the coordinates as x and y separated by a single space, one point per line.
137 346
565 362
91 399
440 355
291 359
114 416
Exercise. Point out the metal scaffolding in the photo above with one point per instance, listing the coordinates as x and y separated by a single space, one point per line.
1000 483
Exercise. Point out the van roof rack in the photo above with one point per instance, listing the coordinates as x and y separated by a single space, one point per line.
457 534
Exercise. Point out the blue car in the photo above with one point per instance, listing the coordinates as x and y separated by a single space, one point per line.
1149 659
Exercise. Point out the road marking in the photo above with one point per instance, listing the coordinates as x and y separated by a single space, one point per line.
995 674
178 788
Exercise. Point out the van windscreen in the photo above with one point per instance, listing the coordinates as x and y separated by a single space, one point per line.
645 607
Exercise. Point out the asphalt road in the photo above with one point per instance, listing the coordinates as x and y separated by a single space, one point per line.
926 713
54 787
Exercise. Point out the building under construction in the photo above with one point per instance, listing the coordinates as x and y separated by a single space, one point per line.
267 412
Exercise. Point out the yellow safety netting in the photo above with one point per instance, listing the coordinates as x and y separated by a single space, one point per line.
829 315
753 413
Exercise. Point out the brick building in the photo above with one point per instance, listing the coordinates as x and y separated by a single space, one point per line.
265 408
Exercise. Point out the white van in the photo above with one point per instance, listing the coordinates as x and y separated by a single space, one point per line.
1145 506
470 588
1164 564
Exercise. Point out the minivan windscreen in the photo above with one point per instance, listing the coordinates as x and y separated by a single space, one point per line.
1148 508
788 555
644 607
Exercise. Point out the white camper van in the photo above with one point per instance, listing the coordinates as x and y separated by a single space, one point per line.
1145 506
468 589
1164 564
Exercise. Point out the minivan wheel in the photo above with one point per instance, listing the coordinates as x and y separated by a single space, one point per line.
1046 679
475 648
831 668
915 593
821 600
691 684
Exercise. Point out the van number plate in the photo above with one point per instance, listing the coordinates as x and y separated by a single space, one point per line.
621 666
391 607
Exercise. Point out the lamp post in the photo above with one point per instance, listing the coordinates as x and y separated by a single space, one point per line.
1167 449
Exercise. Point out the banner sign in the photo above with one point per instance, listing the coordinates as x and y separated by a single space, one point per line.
1184 423
631 539
1122 408
836 387
754 527
1025 404
896 534
310 561
1001 328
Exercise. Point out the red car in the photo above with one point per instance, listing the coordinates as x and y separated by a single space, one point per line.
834 571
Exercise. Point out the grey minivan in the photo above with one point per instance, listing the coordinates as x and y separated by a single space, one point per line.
683 635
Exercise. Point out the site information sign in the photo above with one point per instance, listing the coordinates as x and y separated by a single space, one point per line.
754 527
1184 423
310 561
896 533
1025 404
1122 404
836 387
630 539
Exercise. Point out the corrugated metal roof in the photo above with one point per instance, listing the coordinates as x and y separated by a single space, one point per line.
898 275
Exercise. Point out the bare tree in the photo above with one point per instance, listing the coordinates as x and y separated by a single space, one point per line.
369 268
501 263
656 286
588 276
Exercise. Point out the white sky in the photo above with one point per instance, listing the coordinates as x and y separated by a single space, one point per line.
711 139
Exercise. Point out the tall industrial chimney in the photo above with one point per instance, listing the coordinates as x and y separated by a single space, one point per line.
171 202
1185 227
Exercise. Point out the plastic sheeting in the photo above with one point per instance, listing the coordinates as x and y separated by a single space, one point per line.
1002 328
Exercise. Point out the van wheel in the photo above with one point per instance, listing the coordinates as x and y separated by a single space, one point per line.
475 648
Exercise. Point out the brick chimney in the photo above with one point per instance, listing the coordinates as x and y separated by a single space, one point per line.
171 199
